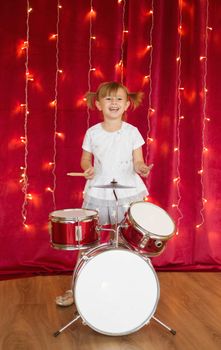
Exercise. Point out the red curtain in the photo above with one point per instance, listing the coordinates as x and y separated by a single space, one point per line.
51 54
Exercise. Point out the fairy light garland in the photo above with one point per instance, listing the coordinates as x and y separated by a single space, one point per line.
205 118
119 66
55 105
148 78
121 63
177 179
91 69
24 139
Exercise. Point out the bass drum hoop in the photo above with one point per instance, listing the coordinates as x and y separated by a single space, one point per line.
93 253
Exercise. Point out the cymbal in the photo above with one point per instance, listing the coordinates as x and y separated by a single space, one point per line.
113 185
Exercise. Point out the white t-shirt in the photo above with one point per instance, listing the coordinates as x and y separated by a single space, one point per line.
113 159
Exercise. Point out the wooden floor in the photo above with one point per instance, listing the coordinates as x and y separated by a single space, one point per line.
190 302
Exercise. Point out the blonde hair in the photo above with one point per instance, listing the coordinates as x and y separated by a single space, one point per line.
107 88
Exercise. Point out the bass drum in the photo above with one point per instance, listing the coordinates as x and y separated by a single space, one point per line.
116 291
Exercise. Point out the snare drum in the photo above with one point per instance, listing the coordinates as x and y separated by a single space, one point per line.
73 229
147 228
116 291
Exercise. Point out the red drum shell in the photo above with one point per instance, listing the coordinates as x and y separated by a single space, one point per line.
73 229
147 228
135 238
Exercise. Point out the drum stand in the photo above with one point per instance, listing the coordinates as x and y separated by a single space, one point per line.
116 244
77 316
171 330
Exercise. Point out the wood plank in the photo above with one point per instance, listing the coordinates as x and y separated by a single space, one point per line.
189 302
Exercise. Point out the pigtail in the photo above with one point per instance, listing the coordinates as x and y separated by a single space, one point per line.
135 98
90 99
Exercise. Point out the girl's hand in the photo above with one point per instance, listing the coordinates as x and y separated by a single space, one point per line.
144 170
89 173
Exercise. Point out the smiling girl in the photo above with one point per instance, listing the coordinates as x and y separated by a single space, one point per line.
112 149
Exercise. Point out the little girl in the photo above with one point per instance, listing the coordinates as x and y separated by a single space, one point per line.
112 150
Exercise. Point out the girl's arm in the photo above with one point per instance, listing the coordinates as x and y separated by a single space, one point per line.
86 164
139 166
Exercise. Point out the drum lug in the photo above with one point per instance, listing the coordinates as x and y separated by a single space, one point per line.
144 241
78 233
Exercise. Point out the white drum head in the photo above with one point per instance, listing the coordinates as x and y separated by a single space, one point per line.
152 219
116 292
73 214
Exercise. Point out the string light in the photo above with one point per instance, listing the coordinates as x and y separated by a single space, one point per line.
53 37
148 78
54 104
24 139
25 45
90 67
61 136
121 65
49 189
177 179
205 118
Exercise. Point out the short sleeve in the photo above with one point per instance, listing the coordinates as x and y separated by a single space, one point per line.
87 142
138 140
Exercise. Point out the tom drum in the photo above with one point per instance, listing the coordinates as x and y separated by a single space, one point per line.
73 229
147 228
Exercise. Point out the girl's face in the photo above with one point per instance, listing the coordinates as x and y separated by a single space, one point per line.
113 105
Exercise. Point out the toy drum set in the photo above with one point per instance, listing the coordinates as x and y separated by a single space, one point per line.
115 287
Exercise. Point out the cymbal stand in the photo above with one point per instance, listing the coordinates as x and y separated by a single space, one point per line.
117 227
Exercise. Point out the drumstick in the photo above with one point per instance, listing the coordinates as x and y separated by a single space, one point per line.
76 174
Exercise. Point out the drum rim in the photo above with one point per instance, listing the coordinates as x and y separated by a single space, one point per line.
146 232
60 246
74 219
84 261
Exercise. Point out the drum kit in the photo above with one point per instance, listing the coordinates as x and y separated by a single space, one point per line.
115 287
